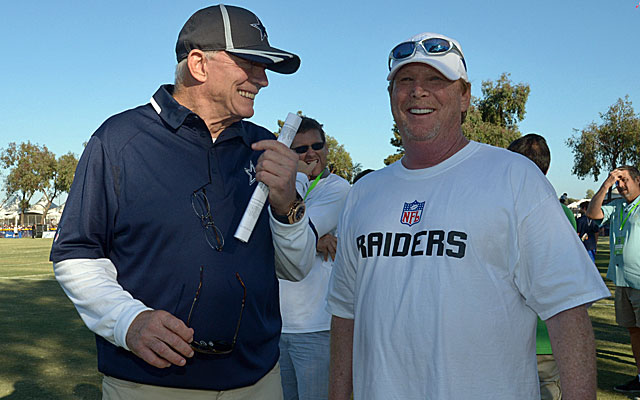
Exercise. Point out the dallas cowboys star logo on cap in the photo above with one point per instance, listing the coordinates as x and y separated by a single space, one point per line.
261 28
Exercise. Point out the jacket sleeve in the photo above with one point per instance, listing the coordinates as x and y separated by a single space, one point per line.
295 247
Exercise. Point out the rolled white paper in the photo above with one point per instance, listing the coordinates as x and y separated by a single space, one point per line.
256 203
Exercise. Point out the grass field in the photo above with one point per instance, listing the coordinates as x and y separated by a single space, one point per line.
47 353
45 350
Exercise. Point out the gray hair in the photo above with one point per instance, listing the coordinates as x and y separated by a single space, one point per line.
182 69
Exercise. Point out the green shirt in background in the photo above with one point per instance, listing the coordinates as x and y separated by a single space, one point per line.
571 217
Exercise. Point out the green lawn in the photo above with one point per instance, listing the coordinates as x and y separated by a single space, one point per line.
45 350
47 353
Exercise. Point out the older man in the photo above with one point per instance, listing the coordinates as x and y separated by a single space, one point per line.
304 344
624 259
443 265
145 247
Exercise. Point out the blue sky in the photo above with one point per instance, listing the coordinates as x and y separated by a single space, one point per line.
69 65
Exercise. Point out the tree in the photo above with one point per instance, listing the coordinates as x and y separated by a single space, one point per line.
475 128
60 180
610 144
589 195
396 141
30 166
338 160
503 104
492 119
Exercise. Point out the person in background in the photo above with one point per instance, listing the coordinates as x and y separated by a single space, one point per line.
304 343
588 231
563 198
362 174
624 258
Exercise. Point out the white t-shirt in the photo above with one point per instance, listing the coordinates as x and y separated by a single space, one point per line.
303 303
444 270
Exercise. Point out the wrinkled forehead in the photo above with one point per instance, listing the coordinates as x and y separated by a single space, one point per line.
419 67
623 174
628 178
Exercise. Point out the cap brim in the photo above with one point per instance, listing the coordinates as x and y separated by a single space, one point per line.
275 60
435 62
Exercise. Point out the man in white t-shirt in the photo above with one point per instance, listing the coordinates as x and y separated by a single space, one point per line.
443 265
304 343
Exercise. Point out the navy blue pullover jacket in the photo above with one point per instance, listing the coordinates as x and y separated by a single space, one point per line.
131 202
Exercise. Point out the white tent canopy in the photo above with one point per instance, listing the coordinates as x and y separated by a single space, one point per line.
575 206
39 207
10 211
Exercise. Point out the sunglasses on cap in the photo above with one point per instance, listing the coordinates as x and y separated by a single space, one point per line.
303 149
431 46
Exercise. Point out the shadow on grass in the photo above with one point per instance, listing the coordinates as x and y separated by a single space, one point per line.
615 362
29 390
46 352
610 333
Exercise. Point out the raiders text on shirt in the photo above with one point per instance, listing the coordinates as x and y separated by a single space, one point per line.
402 244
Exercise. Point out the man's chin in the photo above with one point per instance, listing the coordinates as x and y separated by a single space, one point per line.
315 173
628 196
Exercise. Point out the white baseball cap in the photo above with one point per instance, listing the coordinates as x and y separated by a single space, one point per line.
439 51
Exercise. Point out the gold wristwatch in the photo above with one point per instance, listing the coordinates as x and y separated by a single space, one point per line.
295 214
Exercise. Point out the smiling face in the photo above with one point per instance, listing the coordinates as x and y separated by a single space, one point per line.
232 85
307 138
427 106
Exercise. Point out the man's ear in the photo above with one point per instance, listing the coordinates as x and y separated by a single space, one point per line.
465 99
197 63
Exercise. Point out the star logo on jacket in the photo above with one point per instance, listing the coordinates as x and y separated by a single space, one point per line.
251 171
263 31
412 213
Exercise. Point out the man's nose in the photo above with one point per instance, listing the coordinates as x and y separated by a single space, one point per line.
259 76
419 90
309 152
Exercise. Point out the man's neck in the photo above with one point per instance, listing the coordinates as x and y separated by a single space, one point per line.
631 200
325 172
203 108
424 154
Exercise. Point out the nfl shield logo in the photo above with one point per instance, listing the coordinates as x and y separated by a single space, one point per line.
412 213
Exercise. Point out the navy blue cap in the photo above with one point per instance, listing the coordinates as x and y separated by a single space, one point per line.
237 31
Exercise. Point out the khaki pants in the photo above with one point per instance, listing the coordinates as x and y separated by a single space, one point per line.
267 388
549 378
